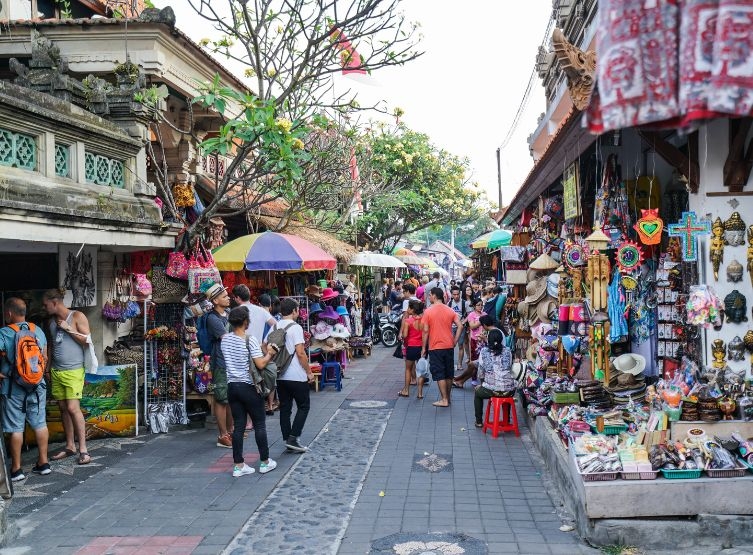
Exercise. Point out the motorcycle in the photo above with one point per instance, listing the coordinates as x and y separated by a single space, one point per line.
388 327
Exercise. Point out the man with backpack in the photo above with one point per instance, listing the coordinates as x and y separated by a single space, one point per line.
294 374
24 392
436 282
69 330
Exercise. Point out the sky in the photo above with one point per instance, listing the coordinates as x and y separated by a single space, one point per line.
465 90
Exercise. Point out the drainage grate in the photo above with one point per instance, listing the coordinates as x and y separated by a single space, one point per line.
439 544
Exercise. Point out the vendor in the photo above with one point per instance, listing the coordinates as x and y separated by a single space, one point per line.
494 372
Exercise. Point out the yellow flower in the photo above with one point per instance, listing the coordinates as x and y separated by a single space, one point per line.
408 158
297 144
249 72
204 42
271 72
279 29
397 162
284 124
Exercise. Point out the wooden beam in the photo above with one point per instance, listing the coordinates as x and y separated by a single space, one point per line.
739 161
672 155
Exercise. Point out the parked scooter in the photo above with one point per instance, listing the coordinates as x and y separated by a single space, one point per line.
388 327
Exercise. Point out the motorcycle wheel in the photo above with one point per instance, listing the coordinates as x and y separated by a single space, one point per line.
376 336
389 338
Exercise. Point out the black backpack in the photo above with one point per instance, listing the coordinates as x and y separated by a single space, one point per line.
277 337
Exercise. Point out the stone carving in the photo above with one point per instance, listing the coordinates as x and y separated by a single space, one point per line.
734 272
578 66
155 15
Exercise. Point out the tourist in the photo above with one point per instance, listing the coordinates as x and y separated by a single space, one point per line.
436 282
22 403
412 334
396 295
487 324
69 330
411 278
475 329
476 286
422 288
439 343
216 328
236 348
293 382
494 368
462 308
274 309
409 294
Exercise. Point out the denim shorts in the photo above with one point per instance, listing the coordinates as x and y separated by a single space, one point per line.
13 416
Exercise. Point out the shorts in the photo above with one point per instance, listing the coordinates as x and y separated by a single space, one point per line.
13 416
219 380
442 364
413 353
67 384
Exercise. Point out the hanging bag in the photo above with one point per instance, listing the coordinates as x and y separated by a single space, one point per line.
201 269
141 285
166 289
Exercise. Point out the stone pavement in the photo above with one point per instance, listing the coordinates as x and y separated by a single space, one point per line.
384 475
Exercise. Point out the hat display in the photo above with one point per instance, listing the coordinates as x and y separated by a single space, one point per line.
214 291
630 363
535 291
330 314
342 311
547 310
328 294
322 330
315 308
340 331
552 284
313 291
544 262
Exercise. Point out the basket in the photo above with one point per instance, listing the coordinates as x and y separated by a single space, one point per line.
726 472
599 476
639 475
681 474
611 430
566 398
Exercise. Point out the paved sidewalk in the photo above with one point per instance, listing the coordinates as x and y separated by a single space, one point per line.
381 471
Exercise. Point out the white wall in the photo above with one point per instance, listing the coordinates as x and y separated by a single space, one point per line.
712 153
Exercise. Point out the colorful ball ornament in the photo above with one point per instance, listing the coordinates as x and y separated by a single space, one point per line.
629 256
649 226
574 256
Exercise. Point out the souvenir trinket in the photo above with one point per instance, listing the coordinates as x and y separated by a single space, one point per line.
748 341
649 227
687 230
718 352
734 272
736 349
673 250
750 253
716 250
574 255
629 257
735 306
727 405
734 230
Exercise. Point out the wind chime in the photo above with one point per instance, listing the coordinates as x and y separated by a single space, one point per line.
597 274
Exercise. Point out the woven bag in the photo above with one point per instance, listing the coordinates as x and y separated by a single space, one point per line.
165 289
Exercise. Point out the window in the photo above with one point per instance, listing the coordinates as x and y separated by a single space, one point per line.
62 160
101 170
18 150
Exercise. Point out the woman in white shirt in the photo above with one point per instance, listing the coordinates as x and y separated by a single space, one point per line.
238 350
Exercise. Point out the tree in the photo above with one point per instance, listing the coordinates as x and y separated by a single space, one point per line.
464 233
280 137
423 186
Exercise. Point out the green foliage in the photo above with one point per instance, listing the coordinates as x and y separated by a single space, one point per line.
464 233
426 186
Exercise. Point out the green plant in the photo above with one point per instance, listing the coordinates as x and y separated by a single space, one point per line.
65 9
618 549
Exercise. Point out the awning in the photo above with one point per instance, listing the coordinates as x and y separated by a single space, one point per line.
570 141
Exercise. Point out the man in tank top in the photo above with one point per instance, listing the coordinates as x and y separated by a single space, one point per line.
68 330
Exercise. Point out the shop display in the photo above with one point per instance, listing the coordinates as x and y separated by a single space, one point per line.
736 307
687 230
750 253
716 248
734 272
649 227
734 230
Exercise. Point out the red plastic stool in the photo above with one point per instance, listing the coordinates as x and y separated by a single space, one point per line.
509 421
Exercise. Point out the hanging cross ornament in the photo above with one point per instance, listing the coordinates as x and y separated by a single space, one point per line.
688 229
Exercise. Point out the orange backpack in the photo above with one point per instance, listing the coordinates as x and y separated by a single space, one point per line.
30 361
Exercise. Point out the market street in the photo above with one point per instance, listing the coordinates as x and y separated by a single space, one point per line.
442 481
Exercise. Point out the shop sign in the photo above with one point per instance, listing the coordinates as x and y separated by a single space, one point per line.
571 192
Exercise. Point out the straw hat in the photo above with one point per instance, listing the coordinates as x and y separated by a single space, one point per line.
552 284
547 310
313 291
630 363
544 262
340 331
214 291
535 291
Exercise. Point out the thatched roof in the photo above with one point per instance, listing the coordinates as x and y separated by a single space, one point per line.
330 244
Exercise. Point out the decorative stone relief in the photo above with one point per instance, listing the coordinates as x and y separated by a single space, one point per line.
578 66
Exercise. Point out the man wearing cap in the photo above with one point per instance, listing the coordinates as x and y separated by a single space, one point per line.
439 343
217 327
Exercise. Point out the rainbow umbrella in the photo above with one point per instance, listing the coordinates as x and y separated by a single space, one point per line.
271 251
408 256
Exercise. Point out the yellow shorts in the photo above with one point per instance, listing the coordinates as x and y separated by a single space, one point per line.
67 384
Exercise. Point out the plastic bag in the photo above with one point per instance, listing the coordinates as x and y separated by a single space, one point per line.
422 369
704 307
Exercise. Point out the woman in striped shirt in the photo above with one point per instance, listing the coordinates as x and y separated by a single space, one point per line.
237 350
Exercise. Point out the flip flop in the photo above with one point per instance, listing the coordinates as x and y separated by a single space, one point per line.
456 385
64 454
401 394
84 458
419 396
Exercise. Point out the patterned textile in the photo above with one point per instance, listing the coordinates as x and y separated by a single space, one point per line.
732 81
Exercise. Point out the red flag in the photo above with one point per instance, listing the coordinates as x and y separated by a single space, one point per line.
350 59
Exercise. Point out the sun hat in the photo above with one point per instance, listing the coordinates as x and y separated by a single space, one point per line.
552 285
535 291
328 294
547 310
313 291
342 311
330 314
214 290
630 363
315 308
544 262
322 330
340 331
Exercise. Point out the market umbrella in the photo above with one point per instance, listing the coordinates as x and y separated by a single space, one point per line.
376 260
493 239
271 251
408 256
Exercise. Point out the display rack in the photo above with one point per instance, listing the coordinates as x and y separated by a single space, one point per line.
164 366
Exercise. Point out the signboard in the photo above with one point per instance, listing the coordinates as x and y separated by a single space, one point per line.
571 192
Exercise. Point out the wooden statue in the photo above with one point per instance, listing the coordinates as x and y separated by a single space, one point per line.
750 253
716 251
719 353
578 66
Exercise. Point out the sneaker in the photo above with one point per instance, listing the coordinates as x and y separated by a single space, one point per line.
293 445
43 469
18 475
241 470
268 467
225 441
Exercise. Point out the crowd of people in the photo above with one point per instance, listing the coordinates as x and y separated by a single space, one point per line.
438 321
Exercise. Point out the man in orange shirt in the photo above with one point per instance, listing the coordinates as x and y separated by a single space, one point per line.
438 340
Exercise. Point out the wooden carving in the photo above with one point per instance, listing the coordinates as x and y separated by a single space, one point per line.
739 161
579 67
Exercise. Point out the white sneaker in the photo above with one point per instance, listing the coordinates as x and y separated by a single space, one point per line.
239 471
268 467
